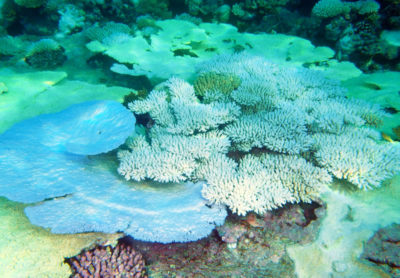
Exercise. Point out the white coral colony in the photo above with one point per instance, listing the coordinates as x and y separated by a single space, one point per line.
289 129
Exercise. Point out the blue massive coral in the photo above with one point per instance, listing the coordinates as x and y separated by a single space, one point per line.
48 159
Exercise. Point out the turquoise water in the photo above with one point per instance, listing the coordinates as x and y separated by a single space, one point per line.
199 138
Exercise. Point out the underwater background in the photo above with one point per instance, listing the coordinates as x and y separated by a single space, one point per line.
199 138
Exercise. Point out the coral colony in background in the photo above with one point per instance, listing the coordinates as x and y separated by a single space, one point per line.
364 31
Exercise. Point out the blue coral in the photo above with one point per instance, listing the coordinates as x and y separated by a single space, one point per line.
45 159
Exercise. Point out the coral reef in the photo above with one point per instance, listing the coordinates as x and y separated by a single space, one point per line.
356 28
172 156
177 158
279 131
253 135
336 115
178 111
145 211
204 8
107 261
353 216
284 16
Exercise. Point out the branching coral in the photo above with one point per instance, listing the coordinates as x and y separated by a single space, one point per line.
359 159
262 183
178 109
280 131
155 163
180 138
291 115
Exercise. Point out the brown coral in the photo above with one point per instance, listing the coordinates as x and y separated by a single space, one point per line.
108 262
212 81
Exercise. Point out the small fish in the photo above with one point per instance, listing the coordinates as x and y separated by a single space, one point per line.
49 83
387 137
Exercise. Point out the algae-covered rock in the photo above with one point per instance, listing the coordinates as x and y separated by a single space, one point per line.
30 251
